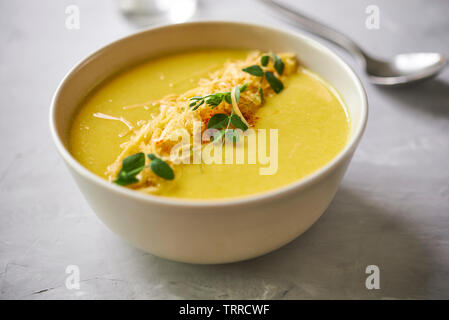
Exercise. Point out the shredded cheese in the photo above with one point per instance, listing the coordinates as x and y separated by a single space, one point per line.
108 117
121 119
153 135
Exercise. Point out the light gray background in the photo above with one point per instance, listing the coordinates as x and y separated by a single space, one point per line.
392 208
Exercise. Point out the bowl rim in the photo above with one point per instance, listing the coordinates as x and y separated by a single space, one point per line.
260 197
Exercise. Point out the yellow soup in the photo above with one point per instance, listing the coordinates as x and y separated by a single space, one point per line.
309 117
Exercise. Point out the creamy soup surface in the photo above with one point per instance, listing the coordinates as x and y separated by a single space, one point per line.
312 122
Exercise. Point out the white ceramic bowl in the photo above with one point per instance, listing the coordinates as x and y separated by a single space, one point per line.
208 231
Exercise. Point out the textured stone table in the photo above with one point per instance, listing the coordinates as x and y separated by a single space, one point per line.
392 209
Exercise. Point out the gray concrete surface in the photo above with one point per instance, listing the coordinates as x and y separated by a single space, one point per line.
392 209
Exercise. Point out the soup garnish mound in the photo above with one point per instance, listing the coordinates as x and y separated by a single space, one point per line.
181 141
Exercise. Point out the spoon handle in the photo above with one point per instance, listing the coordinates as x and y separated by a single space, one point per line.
318 28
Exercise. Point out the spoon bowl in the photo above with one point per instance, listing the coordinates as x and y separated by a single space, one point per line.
404 68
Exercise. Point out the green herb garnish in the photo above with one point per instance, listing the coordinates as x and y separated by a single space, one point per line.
227 98
254 70
218 121
134 164
264 60
238 123
131 167
222 121
274 82
214 99
278 64
257 71
161 168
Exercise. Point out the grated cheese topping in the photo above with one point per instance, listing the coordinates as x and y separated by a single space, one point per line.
153 135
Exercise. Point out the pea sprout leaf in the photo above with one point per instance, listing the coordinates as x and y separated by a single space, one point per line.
198 105
227 97
161 168
254 70
131 167
218 121
133 162
264 60
238 123
274 82
215 99
278 64
124 180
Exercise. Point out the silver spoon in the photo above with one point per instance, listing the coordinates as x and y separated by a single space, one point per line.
403 69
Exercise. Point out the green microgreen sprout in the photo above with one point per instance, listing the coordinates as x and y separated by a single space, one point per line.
134 164
272 80
213 100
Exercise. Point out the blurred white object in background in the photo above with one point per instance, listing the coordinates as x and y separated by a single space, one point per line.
152 12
